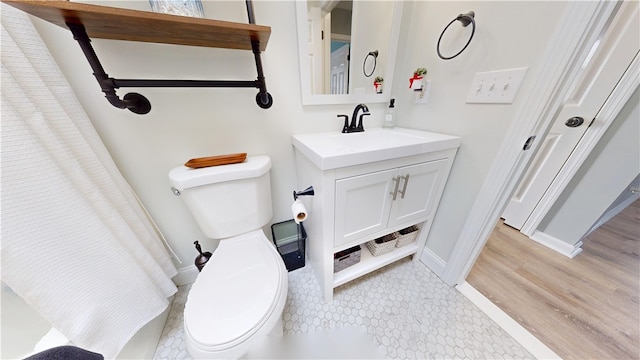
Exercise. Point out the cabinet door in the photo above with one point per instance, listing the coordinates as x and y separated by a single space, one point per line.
362 205
418 191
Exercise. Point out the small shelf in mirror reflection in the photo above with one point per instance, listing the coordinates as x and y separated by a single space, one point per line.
359 89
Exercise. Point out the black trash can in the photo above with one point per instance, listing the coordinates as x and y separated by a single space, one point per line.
290 239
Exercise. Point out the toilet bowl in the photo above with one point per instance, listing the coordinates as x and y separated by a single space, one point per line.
237 300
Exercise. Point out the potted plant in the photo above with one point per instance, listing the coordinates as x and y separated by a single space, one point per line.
416 81
377 83
420 72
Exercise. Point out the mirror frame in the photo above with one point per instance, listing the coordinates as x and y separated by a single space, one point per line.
305 73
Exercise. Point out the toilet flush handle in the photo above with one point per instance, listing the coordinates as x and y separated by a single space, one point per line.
175 191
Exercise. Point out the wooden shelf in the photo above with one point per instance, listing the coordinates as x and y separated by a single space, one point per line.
87 21
106 22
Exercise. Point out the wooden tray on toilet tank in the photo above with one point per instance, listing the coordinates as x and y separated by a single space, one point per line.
216 160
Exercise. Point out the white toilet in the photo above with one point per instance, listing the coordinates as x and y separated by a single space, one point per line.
238 298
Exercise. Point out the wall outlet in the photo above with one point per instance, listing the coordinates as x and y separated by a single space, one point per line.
495 87
423 94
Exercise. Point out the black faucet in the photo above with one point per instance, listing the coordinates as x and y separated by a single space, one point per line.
353 127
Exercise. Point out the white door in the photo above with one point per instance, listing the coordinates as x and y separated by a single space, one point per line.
339 70
316 58
599 76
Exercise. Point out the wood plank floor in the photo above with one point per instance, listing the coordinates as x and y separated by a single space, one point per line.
582 308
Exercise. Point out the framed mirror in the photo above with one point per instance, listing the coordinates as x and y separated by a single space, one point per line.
343 46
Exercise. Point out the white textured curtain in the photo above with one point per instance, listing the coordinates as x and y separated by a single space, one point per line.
76 244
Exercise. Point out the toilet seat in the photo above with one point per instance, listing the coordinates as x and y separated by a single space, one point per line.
236 295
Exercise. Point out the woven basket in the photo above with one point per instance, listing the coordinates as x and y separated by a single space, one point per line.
407 235
382 245
346 258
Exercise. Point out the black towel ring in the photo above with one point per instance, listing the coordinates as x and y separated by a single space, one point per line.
465 19
375 63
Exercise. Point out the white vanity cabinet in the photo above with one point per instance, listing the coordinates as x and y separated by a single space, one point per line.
358 202
369 203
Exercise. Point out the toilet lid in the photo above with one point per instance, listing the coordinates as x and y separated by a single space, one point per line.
235 293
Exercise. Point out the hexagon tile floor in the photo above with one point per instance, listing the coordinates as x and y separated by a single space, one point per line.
405 308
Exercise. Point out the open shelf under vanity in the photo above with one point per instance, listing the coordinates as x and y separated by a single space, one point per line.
369 263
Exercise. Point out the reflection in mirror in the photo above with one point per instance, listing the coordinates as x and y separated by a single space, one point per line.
336 40
370 63
339 28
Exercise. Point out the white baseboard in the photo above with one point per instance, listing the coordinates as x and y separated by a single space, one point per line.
433 261
556 244
186 275
613 212
512 327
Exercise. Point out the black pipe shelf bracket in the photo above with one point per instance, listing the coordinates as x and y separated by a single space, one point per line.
88 21
138 103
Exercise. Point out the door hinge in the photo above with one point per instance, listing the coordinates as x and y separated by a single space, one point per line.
529 142
322 35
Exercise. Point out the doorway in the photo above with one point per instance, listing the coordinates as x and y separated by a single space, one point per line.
584 307
584 25
607 61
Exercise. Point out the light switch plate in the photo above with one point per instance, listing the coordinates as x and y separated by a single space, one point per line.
496 87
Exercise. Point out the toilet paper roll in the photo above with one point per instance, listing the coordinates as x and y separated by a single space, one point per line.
299 211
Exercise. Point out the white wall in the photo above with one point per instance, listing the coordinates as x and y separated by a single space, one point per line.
187 123
612 165
509 34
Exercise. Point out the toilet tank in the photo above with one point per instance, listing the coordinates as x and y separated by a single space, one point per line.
227 200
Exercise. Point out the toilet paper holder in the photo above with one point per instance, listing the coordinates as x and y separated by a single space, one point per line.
297 209
308 191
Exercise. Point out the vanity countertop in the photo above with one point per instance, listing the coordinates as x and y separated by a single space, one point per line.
331 150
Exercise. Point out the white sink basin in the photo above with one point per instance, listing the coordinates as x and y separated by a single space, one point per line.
334 150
